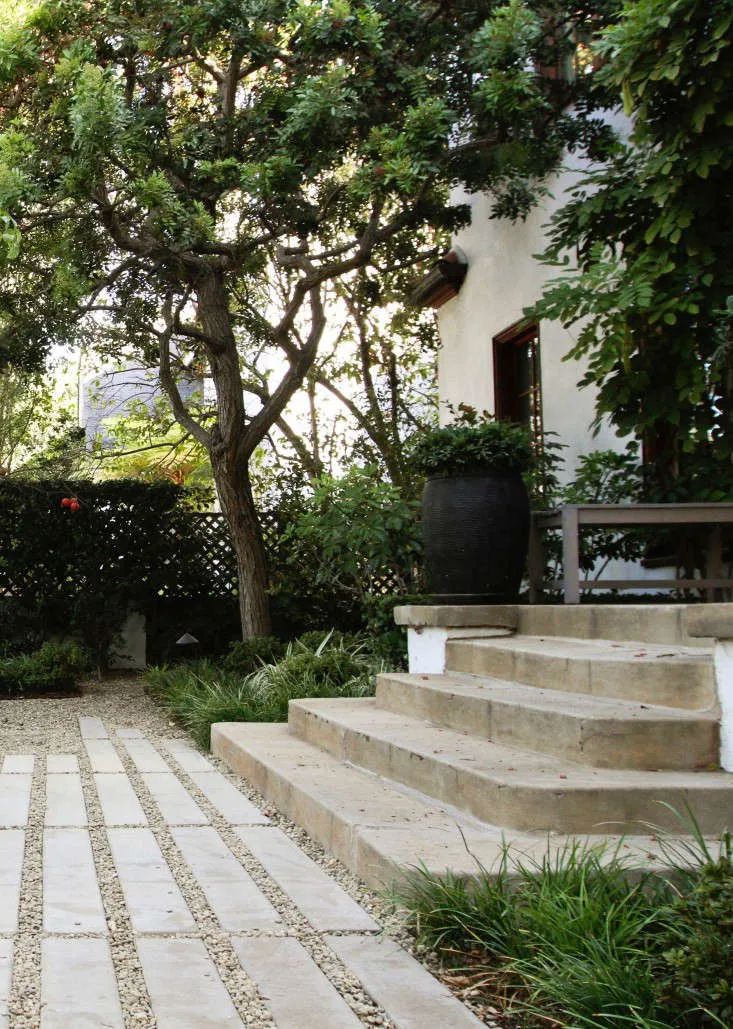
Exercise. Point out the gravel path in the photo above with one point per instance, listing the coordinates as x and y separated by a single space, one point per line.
143 885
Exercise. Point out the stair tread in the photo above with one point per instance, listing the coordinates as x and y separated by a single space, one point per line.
395 825
593 649
505 765
576 705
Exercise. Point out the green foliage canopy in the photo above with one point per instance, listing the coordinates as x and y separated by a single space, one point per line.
651 228
157 161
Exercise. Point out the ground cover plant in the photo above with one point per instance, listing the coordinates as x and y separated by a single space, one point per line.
574 940
257 679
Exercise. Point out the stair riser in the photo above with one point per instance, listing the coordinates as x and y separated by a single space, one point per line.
612 743
597 810
669 684
658 623
319 821
357 845
451 710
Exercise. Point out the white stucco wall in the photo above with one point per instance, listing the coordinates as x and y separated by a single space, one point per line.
503 278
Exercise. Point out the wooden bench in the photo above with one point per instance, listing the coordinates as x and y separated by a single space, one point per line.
572 518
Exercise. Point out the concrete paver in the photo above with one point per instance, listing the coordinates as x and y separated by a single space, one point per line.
72 902
103 756
6 972
409 994
232 894
155 903
65 800
60 763
18 764
15 796
130 734
176 804
187 756
196 999
119 802
324 903
303 996
78 986
226 798
92 729
12 846
144 756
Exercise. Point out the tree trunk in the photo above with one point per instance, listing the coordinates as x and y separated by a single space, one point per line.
230 458
237 504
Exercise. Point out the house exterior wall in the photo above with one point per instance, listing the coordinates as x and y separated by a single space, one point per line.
503 278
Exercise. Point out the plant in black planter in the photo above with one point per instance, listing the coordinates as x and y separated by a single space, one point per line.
475 508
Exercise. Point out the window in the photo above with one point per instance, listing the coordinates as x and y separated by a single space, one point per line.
517 387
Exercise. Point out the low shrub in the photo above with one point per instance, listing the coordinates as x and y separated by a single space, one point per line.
246 656
203 693
54 666
695 969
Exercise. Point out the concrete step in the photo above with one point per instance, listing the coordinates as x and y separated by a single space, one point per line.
651 623
599 731
651 673
379 829
505 785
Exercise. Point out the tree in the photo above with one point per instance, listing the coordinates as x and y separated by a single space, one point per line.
39 434
158 160
25 407
652 228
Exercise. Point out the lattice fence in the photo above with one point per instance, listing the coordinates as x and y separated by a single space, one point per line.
132 538
213 553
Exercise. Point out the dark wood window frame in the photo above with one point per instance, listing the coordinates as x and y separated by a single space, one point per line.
507 398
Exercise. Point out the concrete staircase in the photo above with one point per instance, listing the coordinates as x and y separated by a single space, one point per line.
585 721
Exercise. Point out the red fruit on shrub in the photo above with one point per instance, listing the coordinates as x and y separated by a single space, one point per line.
66 502
74 505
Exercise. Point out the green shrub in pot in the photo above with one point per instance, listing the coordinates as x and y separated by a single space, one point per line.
461 447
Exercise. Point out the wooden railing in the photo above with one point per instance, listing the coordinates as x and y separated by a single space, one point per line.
571 519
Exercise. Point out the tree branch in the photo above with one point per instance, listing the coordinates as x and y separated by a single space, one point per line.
167 381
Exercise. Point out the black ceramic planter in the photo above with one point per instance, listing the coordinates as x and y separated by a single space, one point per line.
476 531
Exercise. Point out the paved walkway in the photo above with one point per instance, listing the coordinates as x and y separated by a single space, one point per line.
141 886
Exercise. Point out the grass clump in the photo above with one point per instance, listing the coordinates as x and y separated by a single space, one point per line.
201 694
575 940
